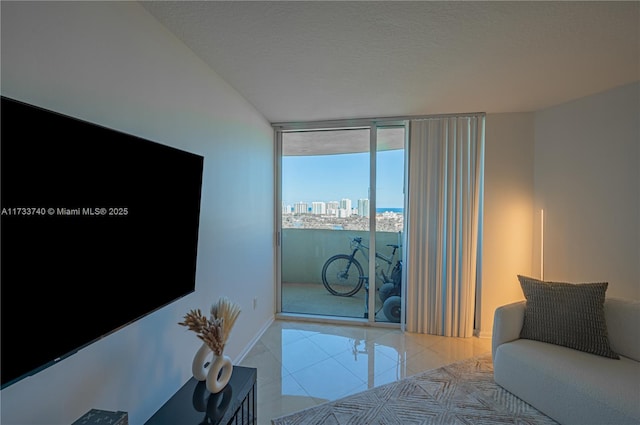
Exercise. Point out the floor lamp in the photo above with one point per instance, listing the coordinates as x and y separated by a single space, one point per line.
541 244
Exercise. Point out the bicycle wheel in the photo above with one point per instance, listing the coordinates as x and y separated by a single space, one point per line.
392 308
342 275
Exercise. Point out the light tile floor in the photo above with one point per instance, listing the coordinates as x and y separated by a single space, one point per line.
302 364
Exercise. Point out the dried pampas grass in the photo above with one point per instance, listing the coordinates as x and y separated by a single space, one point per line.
215 330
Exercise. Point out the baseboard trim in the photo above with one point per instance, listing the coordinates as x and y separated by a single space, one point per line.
253 341
482 334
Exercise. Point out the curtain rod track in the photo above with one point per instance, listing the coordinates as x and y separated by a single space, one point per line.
359 122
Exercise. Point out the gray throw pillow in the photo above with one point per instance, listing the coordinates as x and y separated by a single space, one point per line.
567 314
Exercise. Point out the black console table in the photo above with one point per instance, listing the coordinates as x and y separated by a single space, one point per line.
193 404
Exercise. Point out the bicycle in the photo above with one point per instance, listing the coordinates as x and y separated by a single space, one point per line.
342 274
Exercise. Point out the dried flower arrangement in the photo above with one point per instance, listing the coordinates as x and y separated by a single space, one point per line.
214 330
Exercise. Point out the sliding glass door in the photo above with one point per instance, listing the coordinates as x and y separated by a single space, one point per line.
328 219
389 221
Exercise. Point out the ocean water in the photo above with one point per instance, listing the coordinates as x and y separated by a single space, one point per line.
395 210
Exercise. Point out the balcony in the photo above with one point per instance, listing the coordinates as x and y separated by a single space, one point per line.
305 251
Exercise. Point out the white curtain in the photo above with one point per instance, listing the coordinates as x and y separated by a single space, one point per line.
444 213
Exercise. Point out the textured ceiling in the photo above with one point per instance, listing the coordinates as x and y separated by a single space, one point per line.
322 60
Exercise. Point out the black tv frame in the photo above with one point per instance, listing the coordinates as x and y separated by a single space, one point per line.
99 228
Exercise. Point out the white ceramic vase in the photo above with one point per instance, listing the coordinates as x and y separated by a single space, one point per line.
216 372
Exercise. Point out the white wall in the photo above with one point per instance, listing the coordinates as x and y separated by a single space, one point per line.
587 181
508 205
579 161
111 63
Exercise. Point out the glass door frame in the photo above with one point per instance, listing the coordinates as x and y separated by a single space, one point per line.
373 125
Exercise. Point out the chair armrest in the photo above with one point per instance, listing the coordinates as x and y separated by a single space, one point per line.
507 324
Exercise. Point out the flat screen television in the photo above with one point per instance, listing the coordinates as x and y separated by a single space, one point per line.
98 229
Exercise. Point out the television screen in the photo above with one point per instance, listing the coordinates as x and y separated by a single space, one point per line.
98 228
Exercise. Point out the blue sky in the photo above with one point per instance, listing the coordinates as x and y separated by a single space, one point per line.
333 177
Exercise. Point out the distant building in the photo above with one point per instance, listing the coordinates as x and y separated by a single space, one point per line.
301 208
333 208
318 208
363 207
345 204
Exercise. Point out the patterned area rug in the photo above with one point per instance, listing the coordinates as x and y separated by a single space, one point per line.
460 393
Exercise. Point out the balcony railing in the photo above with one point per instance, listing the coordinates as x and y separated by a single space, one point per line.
304 251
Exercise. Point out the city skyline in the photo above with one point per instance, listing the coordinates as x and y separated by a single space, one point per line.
328 178
361 207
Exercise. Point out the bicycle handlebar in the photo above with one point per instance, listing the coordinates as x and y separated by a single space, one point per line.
358 240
